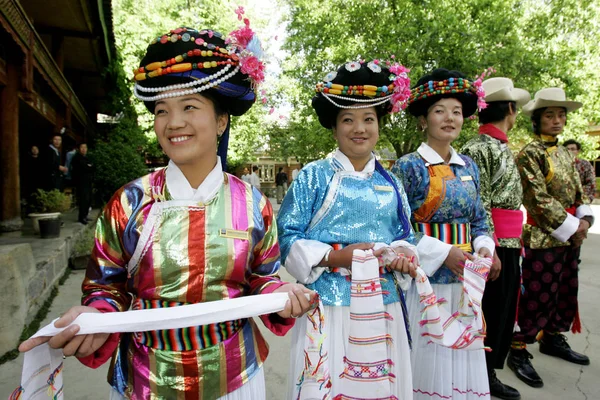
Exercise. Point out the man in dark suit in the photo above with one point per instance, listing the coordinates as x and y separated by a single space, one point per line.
83 171
54 170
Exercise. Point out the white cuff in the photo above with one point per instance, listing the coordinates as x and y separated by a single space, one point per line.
303 258
484 241
585 211
432 253
566 229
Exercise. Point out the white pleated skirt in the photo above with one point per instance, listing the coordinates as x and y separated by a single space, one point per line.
337 329
252 390
440 372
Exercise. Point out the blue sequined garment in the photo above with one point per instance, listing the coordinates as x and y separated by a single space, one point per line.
462 203
331 205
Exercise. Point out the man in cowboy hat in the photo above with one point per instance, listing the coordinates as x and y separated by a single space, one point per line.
502 195
558 219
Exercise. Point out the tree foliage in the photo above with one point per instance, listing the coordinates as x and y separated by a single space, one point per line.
138 22
536 43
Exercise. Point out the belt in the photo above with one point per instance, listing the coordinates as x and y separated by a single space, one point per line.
458 235
184 339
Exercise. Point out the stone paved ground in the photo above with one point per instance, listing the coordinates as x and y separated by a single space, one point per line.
563 381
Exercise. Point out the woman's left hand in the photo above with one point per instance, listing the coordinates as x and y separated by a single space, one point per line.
298 304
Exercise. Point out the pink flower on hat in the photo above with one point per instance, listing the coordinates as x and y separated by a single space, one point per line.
252 67
401 87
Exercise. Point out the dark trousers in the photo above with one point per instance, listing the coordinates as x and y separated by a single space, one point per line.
84 200
550 279
499 306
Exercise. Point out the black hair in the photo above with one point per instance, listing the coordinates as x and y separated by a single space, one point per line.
496 111
254 168
572 141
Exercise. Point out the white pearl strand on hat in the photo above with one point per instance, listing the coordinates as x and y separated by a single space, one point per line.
371 102
183 86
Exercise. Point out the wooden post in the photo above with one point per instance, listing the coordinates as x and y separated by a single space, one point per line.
10 196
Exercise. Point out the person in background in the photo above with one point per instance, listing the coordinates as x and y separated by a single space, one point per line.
254 178
82 175
281 180
33 170
246 175
53 168
585 169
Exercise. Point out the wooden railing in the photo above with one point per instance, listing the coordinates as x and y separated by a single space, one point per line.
27 38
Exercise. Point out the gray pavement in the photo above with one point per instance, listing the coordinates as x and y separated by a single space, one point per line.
562 380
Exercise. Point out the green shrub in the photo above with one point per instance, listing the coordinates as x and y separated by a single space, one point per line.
51 201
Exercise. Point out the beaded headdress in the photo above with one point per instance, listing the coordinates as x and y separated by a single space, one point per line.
442 83
186 61
358 84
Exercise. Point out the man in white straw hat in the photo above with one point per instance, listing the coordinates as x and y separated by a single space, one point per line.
502 195
558 218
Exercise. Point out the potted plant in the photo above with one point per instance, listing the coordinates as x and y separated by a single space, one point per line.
48 205
82 249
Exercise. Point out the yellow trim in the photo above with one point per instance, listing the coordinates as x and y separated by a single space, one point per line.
550 173
464 247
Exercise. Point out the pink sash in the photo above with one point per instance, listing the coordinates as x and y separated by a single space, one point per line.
507 223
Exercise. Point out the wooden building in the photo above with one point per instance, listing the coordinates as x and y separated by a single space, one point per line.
53 59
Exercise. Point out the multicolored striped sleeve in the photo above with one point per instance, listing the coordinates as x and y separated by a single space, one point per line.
106 275
266 260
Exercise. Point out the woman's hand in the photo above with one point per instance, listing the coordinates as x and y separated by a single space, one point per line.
404 265
407 253
80 346
343 258
298 304
456 260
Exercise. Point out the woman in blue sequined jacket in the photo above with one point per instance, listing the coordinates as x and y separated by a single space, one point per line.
346 202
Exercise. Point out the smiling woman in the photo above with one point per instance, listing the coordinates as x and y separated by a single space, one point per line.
442 187
189 233
334 207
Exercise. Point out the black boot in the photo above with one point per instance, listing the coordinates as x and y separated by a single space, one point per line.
500 390
556 345
518 362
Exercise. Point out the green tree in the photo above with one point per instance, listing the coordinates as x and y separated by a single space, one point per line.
535 43
138 22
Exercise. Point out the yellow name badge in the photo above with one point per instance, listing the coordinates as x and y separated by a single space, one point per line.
233 234
381 188
466 178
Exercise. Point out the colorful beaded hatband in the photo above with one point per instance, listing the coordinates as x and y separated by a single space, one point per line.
186 61
357 85
442 83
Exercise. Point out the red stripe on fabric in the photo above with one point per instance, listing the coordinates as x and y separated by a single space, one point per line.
196 256
571 210
189 363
